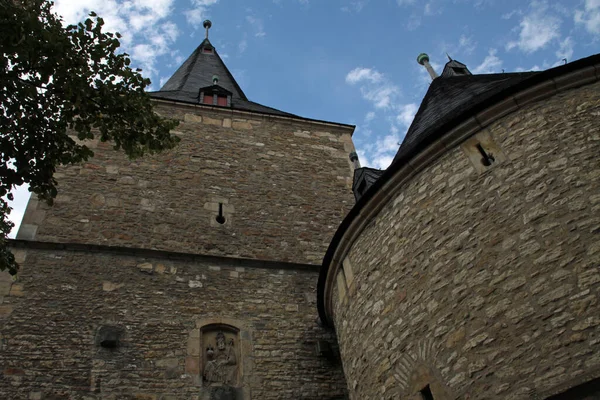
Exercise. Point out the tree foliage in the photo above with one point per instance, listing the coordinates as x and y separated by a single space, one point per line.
57 82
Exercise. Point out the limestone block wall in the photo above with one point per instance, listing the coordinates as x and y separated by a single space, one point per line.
282 185
50 318
483 284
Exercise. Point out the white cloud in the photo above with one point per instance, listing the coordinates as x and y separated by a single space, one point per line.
362 157
147 30
257 24
21 196
405 2
428 10
466 44
565 49
243 45
534 68
197 14
383 161
537 29
380 153
491 64
512 13
407 114
355 6
163 80
384 150
589 17
370 116
375 88
361 74
381 96
414 21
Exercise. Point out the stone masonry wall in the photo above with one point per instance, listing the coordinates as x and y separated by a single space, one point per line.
284 186
49 318
484 285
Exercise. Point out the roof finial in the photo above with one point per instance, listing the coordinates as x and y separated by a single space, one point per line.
423 59
207 24
449 58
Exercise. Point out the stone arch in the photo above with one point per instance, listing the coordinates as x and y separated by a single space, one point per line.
414 371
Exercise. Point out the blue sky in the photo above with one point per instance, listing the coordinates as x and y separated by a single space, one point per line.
349 61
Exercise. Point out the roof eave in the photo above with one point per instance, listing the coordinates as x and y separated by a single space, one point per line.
241 110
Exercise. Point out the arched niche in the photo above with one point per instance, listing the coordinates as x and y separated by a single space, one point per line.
221 355
219 358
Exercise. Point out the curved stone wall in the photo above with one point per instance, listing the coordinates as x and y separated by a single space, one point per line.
483 284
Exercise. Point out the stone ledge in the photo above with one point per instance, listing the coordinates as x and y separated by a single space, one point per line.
169 255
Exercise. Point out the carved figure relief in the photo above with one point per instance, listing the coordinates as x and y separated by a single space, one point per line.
221 359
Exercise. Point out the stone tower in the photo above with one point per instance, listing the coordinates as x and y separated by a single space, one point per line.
186 275
469 269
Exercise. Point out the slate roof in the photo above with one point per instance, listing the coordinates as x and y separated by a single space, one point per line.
197 72
447 99
364 178
449 69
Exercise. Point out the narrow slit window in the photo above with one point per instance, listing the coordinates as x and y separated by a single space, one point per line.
220 218
486 158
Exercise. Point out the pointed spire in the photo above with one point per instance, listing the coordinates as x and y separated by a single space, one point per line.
207 24
204 75
449 58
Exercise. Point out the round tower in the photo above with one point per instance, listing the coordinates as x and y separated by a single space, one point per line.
470 268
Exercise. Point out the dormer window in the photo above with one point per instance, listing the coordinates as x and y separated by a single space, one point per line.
207 50
214 95
460 71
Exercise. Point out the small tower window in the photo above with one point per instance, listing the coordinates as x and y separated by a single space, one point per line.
207 98
222 101
207 50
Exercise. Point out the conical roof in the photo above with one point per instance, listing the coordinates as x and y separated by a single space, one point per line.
198 71
448 98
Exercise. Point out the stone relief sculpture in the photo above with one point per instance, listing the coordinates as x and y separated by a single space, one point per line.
221 361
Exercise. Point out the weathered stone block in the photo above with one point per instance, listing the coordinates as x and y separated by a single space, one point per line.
16 290
146 268
5 310
212 121
192 365
192 118
241 124
111 286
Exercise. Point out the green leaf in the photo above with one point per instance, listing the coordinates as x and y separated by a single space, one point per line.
59 81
